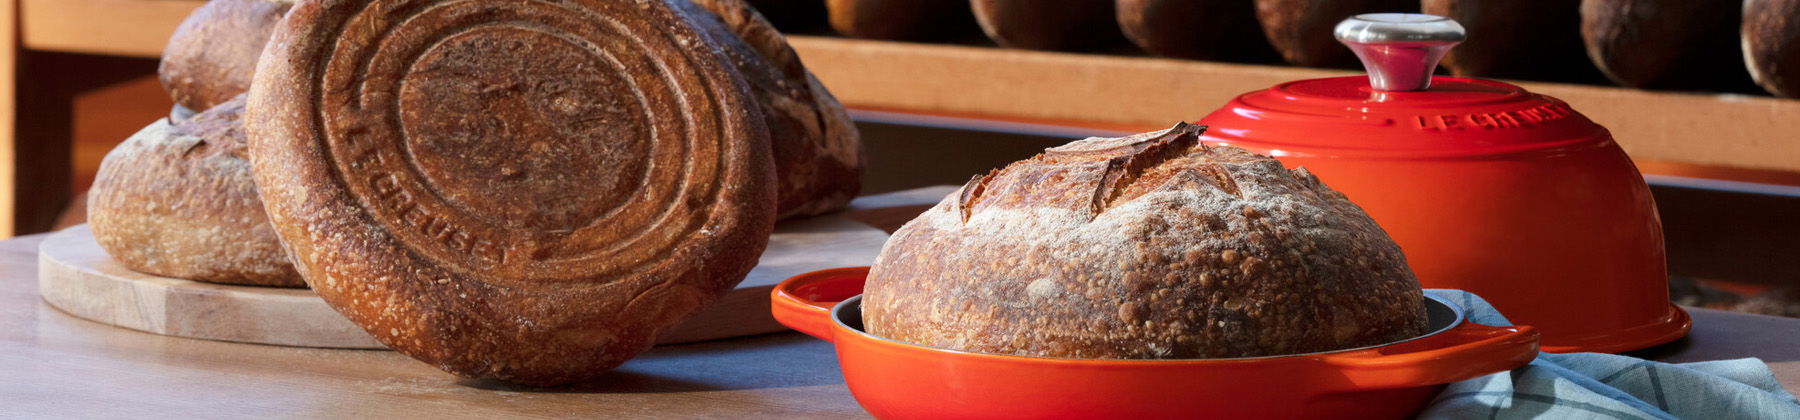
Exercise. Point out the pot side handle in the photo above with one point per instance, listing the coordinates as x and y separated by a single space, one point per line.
1465 352
804 302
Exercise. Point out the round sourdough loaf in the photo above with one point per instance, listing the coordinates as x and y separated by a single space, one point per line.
1150 246
1042 25
211 56
177 200
522 191
818 154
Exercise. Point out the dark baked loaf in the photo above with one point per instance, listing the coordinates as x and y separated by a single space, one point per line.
1540 40
523 191
1196 29
1301 30
1045 25
900 19
177 200
212 54
1150 246
818 154
1666 43
1771 33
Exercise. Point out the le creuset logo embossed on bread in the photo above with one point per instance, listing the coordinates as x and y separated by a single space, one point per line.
477 156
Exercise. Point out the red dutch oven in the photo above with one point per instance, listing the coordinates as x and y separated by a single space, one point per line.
897 380
1485 186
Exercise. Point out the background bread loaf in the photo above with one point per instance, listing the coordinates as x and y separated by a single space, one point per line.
211 56
177 200
818 154
1046 25
1301 29
1771 33
1150 246
1195 29
900 19
1666 43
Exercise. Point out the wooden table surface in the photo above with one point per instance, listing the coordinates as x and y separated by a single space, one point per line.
53 365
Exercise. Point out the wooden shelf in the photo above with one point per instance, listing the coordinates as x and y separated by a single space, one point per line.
1737 131
133 28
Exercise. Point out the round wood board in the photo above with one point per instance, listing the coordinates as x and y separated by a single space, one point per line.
76 276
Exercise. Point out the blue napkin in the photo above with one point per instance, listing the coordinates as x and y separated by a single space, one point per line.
1605 386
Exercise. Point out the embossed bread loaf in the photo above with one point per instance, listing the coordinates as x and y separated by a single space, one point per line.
522 191
1150 246
177 200
211 56
818 154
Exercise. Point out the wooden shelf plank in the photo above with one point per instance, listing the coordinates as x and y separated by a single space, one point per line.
1736 131
1707 129
134 28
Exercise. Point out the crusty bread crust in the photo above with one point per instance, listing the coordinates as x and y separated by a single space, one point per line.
522 191
1150 246
818 153
211 56
178 201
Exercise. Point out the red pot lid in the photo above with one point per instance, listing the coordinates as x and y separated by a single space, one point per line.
1399 110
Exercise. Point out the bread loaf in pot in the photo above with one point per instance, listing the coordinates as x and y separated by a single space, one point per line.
177 200
1151 246
211 56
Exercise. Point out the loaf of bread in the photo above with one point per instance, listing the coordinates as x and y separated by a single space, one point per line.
1681 44
1771 32
1301 30
177 200
1540 40
1042 25
818 154
212 54
1196 29
1151 246
508 190
900 19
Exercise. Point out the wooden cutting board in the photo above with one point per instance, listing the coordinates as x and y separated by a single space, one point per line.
76 276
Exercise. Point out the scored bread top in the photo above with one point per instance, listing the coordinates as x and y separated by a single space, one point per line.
211 57
1151 246
177 200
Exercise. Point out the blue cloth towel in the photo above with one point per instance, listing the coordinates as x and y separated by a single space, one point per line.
1605 386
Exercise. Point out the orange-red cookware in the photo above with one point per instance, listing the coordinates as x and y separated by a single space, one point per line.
1486 187
896 380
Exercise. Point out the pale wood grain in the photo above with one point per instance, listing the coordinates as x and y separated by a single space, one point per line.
76 276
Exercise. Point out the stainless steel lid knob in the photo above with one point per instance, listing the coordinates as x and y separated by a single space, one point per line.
1400 50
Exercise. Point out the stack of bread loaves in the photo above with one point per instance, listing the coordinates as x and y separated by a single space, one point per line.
522 191
176 199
